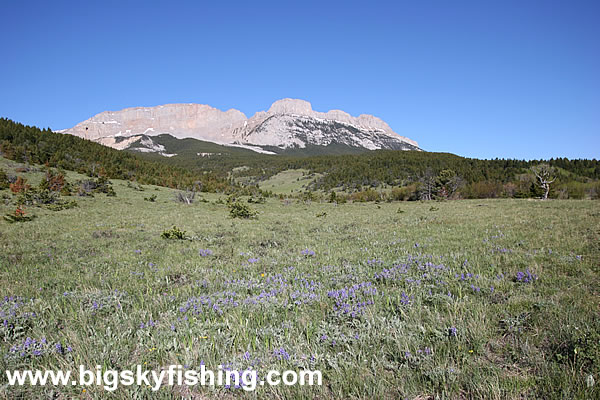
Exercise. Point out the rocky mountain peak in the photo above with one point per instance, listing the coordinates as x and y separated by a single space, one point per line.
289 123
291 106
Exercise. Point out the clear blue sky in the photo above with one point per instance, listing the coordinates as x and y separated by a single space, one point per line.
485 79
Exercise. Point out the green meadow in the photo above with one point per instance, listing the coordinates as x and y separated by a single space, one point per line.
494 299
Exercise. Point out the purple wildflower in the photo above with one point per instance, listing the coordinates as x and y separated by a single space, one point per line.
281 354
525 277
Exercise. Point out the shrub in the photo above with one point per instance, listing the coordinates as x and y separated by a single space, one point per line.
18 216
151 199
105 186
4 184
341 199
20 185
332 197
483 190
53 181
173 233
38 197
62 205
367 195
308 196
45 198
241 210
101 185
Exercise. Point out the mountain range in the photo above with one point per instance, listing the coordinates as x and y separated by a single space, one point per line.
290 126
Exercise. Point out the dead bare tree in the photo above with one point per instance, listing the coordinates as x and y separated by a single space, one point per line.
545 175
186 197
427 184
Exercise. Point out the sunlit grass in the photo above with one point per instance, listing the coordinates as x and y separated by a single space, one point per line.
391 305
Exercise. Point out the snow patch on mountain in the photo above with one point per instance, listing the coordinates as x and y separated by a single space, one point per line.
289 123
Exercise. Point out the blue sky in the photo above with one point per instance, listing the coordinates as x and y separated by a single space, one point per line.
484 79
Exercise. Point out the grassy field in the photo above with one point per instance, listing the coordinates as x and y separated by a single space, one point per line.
486 299
289 181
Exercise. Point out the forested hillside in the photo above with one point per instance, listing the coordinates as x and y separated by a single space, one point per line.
383 174
24 143
411 170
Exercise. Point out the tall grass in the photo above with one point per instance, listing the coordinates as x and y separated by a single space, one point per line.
468 299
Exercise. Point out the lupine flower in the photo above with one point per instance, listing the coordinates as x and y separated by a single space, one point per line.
405 300
281 354
526 277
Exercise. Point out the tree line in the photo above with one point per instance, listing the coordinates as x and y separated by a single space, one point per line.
28 144
399 175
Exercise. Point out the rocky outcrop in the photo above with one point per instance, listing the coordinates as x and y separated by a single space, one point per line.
288 123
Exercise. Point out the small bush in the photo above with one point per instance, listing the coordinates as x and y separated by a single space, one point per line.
62 205
4 183
332 197
54 182
20 185
367 195
18 216
101 185
38 197
173 233
241 210
44 198
151 199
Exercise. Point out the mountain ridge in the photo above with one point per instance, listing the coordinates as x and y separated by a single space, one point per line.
289 123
